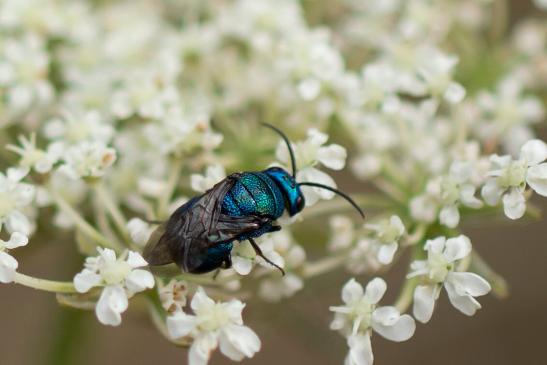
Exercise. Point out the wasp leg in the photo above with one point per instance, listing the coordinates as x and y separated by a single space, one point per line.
228 262
275 229
259 253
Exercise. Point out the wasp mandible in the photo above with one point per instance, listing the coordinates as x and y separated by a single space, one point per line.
199 235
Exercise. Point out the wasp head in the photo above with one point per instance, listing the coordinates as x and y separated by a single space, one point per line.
294 199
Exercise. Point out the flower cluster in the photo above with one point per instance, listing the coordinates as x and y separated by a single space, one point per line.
115 113
120 279
361 314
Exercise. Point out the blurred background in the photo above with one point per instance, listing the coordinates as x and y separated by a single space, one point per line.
37 331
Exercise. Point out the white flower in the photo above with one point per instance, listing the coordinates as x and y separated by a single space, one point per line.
24 67
213 175
441 269
213 324
342 233
437 73
15 195
310 153
510 177
76 126
120 278
360 315
388 233
173 295
32 157
508 113
380 85
456 189
445 194
8 264
139 231
87 159
244 256
276 287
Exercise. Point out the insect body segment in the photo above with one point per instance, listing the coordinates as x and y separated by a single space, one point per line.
199 235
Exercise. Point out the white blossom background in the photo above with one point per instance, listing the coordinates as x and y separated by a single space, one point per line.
35 330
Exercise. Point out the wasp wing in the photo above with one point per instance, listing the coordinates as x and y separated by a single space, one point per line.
196 226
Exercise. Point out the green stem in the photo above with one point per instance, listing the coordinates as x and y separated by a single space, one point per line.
45 285
406 295
322 266
481 267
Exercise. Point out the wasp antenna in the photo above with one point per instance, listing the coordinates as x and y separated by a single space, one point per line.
336 191
293 160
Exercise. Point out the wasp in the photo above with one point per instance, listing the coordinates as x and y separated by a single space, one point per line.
199 235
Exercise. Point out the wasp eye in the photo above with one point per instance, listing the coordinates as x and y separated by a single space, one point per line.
300 203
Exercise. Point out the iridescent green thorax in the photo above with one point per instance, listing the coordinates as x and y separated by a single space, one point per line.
255 193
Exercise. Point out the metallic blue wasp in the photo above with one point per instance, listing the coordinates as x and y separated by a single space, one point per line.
199 235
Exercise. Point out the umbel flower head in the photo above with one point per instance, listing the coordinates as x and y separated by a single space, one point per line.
441 270
509 178
120 278
213 324
361 314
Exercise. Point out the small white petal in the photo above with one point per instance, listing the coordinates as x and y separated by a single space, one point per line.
312 194
491 192
86 280
456 248
536 177
332 156
139 231
17 174
16 240
455 93
201 300
111 304
386 253
139 280
467 197
352 292
239 339
375 290
450 216
534 152
200 351
464 303
389 323
436 245
469 283
424 302
107 254
242 265
18 222
514 204
360 350
134 259
8 265
234 308
180 324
